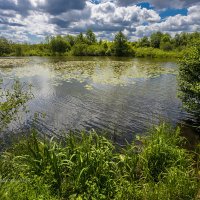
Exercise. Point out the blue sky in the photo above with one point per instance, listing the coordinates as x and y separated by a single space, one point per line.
33 20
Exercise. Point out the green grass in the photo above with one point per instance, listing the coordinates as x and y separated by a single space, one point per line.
156 53
89 166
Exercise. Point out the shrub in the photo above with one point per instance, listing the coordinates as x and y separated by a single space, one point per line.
189 79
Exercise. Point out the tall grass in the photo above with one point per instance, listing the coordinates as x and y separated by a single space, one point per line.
155 53
91 167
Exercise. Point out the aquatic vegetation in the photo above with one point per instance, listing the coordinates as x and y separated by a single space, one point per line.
89 166
13 62
107 72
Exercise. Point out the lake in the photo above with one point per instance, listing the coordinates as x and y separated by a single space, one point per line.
124 96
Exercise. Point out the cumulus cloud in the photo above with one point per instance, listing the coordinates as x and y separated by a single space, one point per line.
56 7
22 6
109 17
189 23
32 20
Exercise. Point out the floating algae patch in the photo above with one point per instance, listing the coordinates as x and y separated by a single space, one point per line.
13 62
107 72
89 73
88 87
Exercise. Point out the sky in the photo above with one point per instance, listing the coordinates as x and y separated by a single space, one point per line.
32 20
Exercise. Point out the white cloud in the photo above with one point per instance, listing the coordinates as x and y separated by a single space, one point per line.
105 19
110 13
37 3
177 23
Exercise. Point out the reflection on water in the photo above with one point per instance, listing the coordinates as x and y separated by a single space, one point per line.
123 95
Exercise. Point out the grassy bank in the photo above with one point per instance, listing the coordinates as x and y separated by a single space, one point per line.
95 50
149 52
90 166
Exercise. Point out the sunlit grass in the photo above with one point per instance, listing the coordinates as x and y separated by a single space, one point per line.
89 166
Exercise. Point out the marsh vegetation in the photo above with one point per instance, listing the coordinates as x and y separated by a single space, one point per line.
89 166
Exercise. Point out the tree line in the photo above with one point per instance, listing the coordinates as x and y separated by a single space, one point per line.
87 44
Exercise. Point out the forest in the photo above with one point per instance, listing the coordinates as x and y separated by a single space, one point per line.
158 45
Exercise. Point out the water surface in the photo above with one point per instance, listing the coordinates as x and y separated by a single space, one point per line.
119 95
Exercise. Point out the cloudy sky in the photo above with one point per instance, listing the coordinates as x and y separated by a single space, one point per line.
32 20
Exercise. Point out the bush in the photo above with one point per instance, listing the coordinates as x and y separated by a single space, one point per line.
5 47
79 49
155 53
59 45
189 79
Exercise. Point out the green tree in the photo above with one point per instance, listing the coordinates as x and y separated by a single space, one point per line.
70 39
59 45
120 46
91 37
79 49
18 50
144 42
156 39
189 79
5 46
80 38
177 40
183 39
166 42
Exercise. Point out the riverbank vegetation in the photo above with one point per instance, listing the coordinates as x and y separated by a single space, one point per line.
89 166
157 45
189 79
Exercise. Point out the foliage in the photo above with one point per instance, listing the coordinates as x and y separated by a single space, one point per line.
79 49
144 42
155 53
59 45
120 46
189 79
156 39
18 51
86 44
11 102
5 46
89 166
91 37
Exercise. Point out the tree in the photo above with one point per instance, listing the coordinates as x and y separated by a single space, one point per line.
120 46
183 39
18 51
177 40
80 39
144 42
166 43
156 39
59 45
5 47
91 37
70 39
189 79
79 49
